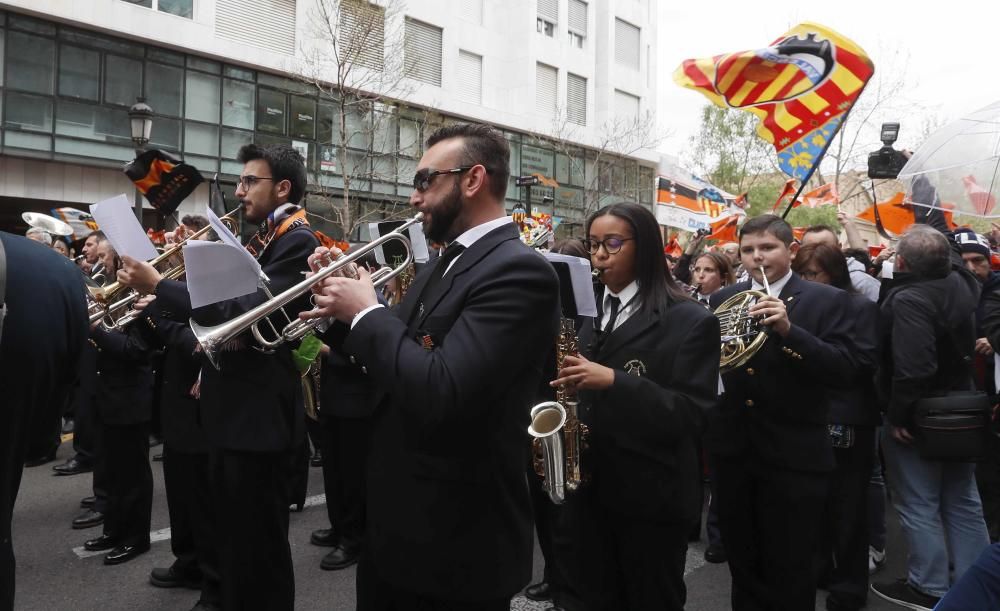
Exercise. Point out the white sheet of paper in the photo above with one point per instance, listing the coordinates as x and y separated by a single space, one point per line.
217 271
417 242
116 218
583 283
887 270
230 240
996 371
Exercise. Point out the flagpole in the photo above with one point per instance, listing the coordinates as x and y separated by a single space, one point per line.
822 153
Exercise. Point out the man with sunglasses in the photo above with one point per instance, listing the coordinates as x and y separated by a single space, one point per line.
251 406
461 361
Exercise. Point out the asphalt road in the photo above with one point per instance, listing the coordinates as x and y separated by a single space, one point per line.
54 574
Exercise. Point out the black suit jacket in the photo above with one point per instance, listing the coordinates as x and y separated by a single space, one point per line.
449 513
180 417
125 377
253 402
776 407
643 429
855 402
345 390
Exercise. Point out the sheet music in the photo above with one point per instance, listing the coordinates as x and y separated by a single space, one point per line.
583 284
116 218
230 240
217 272
417 242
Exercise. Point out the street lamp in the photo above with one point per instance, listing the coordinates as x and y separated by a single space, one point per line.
140 117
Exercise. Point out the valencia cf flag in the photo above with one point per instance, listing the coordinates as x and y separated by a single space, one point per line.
164 180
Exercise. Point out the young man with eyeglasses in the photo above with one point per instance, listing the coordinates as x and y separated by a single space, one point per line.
461 361
251 406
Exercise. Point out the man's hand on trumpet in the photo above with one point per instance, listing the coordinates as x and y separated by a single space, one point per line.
343 294
138 275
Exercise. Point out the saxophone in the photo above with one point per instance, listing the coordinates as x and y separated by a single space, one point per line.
559 436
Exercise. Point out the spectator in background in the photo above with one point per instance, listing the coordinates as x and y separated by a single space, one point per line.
863 283
711 272
39 235
60 247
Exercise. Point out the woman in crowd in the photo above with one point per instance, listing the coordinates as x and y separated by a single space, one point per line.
711 271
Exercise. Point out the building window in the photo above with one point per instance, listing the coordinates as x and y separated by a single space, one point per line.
122 80
201 97
577 23
576 99
181 8
268 25
270 111
165 89
626 107
626 44
362 33
79 73
31 62
302 118
237 103
470 77
545 89
548 17
422 51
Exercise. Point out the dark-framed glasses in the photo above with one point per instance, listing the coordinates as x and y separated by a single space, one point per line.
611 245
423 178
248 181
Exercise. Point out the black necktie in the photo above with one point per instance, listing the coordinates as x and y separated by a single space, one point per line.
615 305
454 249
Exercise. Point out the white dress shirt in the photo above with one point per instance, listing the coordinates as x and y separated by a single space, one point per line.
776 287
629 305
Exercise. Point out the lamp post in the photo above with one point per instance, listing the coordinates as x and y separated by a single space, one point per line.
141 121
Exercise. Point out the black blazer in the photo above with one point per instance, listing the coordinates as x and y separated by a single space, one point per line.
254 401
642 453
180 416
449 513
345 390
776 407
125 377
855 402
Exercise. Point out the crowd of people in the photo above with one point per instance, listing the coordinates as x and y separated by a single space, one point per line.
423 409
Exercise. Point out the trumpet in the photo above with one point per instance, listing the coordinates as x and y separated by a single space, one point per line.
213 338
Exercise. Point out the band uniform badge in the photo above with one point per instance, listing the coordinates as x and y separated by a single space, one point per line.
636 368
427 342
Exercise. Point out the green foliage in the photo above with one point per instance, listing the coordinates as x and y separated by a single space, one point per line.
728 150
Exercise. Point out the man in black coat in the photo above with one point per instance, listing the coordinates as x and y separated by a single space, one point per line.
768 438
43 334
251 406
449 513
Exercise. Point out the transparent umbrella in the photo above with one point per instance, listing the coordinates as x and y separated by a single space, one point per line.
958 167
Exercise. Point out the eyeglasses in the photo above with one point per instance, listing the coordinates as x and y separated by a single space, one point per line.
248 181
423 178
611 245
810 274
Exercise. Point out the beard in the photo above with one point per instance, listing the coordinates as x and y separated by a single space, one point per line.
443 216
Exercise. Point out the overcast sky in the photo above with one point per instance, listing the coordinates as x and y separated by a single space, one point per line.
948 52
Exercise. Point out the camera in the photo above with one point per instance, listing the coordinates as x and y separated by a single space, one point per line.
886 162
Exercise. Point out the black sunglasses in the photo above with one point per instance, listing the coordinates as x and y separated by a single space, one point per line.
423 178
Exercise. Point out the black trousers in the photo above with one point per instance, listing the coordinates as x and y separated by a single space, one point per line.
251 500
770 521
192 519
99 481
843 550
375 594
130 483
617 562
345 444
546 515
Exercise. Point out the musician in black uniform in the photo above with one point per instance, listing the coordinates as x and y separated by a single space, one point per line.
646 376
449 513
251 406
43 334
768 438
124 410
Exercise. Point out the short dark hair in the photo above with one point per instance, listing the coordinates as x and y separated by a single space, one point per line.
195 221
769 223
95 234
482 145
926 251
285 163
571 246
819 229
829 259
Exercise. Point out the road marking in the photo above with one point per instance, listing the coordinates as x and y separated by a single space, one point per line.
164 533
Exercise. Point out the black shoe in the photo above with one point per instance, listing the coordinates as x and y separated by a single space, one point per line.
158 457
41 460
169 578
340 557
124 553
88 502
902 593
206 606
715 553
88 519
324 537
538 591
840 602
317 459
100 543
73 466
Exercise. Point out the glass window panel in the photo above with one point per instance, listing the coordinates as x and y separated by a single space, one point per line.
166 133
201 139
164 89
383 168
270 111
407 168
232 140
79 73
167 57
562 169
409 138
30 62
28 112
240 73
93 122
324 126
122 80
328 161
91 39
181 8
145 3
205 65
303 117
266 139
358 129
31 25
1 51
101 150
576 171
205 165
24 140
237 103
285 84
234 168
201 97
384 133
515 160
